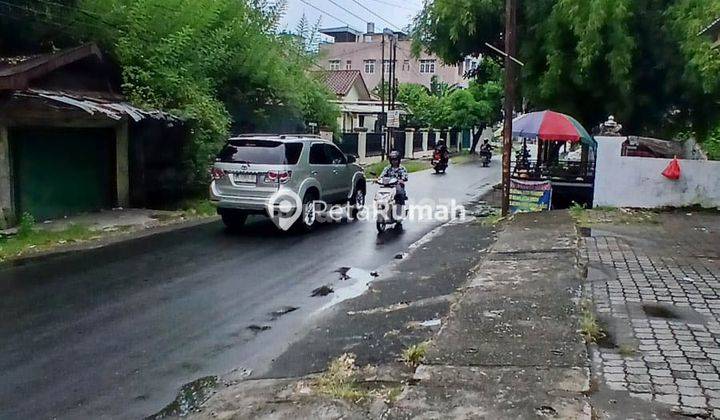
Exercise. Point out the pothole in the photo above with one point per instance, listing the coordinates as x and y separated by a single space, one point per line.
322 291
658 311
274 315
258 328
585 232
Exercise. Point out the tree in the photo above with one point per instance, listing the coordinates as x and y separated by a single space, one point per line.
640 60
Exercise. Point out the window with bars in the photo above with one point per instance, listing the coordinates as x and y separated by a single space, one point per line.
427 66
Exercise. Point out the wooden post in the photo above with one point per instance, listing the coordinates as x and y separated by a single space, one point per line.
122 174
7 206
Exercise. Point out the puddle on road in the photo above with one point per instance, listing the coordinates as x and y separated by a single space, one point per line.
189 399
355 282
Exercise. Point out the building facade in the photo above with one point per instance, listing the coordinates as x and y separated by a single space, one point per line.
352 50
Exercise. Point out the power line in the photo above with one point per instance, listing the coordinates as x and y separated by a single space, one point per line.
348 11
374 14
325 13
394 5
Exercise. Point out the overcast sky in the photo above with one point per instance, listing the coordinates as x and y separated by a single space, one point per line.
399 13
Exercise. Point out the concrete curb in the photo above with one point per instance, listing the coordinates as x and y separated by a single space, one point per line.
72 249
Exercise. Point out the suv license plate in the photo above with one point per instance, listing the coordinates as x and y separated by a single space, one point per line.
245 178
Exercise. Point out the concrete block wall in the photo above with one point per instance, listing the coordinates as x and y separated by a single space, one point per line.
637 182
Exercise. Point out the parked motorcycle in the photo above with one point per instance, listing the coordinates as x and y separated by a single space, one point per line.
386 208
439 162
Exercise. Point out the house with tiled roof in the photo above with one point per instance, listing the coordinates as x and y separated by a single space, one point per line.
359 108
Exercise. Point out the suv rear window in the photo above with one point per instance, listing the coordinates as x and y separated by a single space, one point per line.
264 152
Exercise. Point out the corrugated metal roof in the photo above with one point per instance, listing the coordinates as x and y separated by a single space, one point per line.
113 109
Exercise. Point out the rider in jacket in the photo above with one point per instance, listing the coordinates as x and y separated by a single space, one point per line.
395 170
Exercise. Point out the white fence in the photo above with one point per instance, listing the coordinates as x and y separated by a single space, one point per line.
622 181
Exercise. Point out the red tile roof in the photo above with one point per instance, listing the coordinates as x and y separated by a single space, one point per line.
341 81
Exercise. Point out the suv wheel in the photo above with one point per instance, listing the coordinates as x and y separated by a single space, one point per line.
357 202
308 217
233 220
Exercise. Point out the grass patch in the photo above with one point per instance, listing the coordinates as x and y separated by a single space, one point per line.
31 239
198 207
375 169
340 380
626 350
463 157
491 220
415 354
611 215
590 328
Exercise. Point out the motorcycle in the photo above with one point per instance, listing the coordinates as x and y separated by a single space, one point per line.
438 162
486 156
386 208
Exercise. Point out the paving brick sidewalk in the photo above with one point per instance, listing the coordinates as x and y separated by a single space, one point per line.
656 287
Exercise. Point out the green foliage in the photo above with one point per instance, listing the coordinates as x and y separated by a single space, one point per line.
415 354
443 106
26 226
590 328
641 60
28 239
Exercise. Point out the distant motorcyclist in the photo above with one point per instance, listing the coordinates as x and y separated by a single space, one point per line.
442 148
441 157
395 170
486 152
486 147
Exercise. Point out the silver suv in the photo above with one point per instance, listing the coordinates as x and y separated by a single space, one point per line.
250 171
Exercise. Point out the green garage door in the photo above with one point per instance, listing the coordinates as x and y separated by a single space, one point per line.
62 171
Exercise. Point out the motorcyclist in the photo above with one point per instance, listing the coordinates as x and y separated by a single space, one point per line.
486 147
395 170
442 148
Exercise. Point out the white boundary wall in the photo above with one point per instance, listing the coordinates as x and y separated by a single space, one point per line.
622 181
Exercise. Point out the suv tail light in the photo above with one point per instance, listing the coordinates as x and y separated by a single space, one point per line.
280 177
216 173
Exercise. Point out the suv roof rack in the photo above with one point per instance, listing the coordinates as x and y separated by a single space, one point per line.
274 135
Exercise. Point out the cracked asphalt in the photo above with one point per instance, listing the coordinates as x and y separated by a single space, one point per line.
115 332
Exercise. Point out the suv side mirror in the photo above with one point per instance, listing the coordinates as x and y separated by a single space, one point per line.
351 158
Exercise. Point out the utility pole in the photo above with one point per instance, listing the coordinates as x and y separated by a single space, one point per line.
510 87
391 77
383 117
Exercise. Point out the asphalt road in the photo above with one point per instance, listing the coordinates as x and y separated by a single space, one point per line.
114 332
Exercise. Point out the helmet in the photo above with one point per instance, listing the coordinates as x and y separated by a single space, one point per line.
394 155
